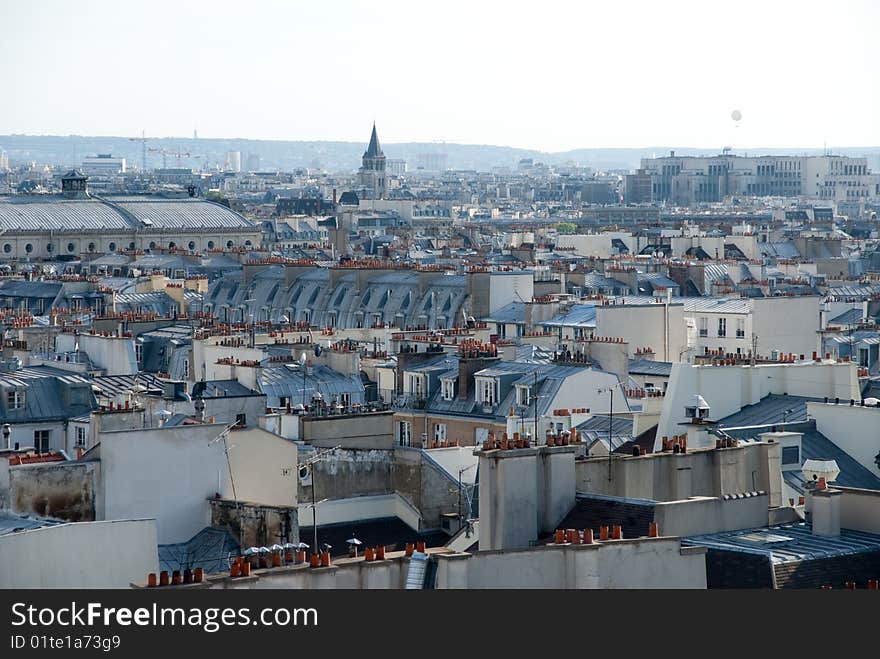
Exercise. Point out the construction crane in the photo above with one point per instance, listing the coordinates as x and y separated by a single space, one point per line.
164 155
179 154
143 139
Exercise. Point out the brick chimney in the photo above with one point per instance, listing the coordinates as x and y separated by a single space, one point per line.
467 366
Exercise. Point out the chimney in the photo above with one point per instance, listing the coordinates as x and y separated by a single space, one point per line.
467 366
825 510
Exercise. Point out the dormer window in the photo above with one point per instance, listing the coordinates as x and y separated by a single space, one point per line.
15 399
523 395
447 389
487 390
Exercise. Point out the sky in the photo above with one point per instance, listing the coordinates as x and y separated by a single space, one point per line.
547 75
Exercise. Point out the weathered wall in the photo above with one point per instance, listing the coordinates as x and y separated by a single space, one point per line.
61 490
426 485
256 526
349 473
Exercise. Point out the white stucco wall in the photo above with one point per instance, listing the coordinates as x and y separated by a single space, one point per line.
263 467
728 389
505 288
787 324
640 563
116 355
167 474
81 555
646 326
854 429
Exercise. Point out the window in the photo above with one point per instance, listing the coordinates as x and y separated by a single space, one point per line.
240 420
416 386
210 244
487 391
112 247
791 455
29 248
191 245
447 389
80 436
523 395
41 441
404 433
722 327
71 247
7 248
704 327
282 401
139 352
740 328
15 399
440 432
186 368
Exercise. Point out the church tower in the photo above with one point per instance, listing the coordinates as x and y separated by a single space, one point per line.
371 176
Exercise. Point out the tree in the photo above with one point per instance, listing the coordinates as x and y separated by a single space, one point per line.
217 197
566 227
877 460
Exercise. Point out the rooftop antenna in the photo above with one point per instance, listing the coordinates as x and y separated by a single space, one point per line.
226 447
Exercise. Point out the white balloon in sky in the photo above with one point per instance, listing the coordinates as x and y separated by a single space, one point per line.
736 115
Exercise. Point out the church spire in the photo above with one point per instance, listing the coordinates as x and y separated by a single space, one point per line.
374 150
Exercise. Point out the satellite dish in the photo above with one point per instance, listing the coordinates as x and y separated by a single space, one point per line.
736 115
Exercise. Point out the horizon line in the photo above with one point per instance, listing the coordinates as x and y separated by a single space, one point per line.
464 144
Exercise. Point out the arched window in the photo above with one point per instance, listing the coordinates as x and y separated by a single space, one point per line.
192 244
229 244
29 248
71 247
210 244
7 248
91 247
112 247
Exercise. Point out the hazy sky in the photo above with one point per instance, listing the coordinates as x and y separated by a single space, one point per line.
547 75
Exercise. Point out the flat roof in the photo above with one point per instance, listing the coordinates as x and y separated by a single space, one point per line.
788 542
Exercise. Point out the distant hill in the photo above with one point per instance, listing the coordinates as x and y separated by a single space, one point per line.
342 156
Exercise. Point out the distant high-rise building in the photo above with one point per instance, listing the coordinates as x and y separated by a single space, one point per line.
396 167
233 161
4 161
252 163
637 188
103 164
432 162
371 176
